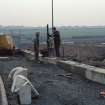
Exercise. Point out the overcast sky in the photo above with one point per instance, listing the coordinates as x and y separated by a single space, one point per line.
38 12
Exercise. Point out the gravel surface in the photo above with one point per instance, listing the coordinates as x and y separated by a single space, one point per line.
53 89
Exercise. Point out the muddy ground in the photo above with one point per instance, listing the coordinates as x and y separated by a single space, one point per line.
53 89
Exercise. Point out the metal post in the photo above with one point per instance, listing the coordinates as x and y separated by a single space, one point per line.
52 21
20 34
63 51
52 13
48 43
36 46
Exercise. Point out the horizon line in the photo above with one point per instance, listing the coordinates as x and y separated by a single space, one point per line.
54 26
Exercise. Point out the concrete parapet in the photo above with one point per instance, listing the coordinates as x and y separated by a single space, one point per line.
6 58
89 72
30 54
51 60
73 67
95 74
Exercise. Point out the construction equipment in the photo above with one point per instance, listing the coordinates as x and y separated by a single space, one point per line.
102 94
6 45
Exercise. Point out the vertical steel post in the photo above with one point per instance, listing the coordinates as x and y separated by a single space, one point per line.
20 34
52 21
36 46
48 43
52 13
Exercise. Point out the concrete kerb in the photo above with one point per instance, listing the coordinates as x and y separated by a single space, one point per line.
73 67
30 55
6 58
50 60
3 93
96 74
89 72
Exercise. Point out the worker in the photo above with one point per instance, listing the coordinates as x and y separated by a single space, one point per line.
51 45
56 36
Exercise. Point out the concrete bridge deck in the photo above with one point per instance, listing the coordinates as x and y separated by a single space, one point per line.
53 89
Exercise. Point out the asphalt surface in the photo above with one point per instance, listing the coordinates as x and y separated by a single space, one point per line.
53 89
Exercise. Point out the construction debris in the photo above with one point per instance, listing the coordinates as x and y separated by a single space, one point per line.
65 75
102 94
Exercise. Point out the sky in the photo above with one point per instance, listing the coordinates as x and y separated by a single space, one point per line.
66 12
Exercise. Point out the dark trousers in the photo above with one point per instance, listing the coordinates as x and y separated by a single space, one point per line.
57 47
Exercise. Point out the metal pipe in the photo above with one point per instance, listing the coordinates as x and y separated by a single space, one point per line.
48 45
19 69
52 13
26 81
36 46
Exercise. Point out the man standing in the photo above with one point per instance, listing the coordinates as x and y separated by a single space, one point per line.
56 36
